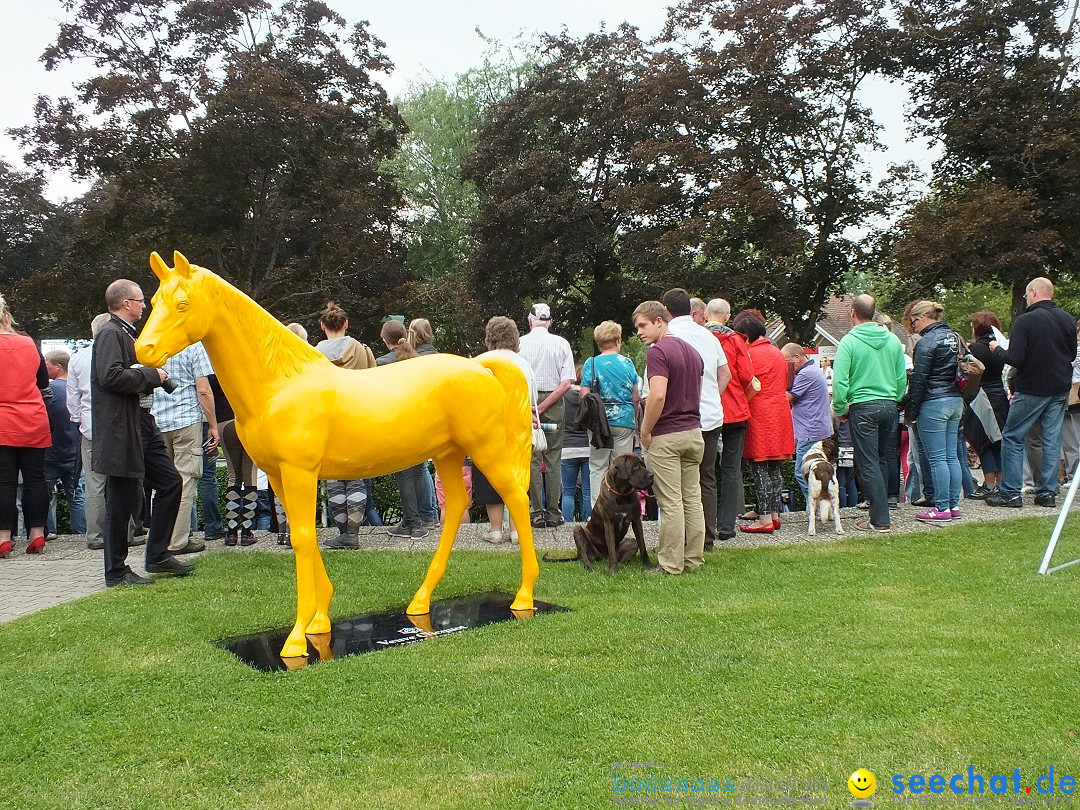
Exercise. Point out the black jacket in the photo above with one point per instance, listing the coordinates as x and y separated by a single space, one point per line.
114 401
991 379
934 372
1042 347
591 417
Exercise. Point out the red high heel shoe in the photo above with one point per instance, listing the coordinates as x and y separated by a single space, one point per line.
36 546
776 523
757 529
5 548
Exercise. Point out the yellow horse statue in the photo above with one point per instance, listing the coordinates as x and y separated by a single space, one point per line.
301 418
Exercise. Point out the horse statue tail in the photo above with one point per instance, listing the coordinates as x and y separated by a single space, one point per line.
518 413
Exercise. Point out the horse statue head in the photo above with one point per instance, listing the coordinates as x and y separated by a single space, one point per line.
180 316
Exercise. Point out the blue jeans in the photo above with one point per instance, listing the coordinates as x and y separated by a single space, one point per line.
914 485
939 424
967 482
60 472
572 468
1024 412
801 448
429 504
78 507
873 432
849 492
208 492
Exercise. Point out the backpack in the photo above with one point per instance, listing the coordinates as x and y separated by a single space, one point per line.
969 370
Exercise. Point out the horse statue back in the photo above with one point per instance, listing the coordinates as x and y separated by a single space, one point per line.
301 419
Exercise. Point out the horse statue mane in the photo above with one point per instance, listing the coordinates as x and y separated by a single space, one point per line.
301 419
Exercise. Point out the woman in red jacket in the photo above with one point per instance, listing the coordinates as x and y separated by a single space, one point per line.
24 435
770 436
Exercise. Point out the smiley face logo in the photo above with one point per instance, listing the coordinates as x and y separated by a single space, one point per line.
862 784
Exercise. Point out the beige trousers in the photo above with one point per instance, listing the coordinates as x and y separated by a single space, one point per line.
674 459
184 446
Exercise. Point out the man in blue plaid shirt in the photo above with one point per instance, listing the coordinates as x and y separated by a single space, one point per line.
180 417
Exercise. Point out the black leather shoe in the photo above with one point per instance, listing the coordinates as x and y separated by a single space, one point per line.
130 578
213 535
170 565
1011 501
95 545
137 540
1046 500
192 547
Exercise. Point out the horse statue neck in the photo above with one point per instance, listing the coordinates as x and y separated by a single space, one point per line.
252 353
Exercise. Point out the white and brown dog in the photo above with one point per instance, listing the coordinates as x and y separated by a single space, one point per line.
819 469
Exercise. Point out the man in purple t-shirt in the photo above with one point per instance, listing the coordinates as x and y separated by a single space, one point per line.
811 412
671 436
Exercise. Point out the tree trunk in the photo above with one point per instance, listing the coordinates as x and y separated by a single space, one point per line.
1019 287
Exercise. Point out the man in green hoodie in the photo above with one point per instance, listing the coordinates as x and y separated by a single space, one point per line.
869 380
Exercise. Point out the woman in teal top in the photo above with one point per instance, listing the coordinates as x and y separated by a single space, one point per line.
614 378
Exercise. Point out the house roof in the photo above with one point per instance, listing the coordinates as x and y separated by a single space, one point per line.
833 323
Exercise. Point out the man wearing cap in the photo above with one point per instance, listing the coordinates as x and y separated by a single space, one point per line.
1042 347
552 362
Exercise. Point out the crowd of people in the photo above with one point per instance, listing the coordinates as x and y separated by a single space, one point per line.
133 449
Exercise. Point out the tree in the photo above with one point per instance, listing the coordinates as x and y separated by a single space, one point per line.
732 165
32 234
786 197
995 85
548 162
249 138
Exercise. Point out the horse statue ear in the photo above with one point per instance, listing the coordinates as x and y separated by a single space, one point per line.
157 264
181 265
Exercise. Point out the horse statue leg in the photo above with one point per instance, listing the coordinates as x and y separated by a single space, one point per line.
449 469
324 590
313 590
501 476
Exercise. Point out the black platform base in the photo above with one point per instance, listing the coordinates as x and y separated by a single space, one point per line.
378 631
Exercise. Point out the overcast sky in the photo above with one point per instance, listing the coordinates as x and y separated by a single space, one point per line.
423 38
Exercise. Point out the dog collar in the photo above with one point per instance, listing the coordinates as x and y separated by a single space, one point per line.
612 489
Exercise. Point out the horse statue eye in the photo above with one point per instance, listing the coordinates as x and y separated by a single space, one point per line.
181 306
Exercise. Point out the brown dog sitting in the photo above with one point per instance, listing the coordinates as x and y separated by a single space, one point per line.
616 509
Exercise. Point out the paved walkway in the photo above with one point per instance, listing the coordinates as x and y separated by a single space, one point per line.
67 570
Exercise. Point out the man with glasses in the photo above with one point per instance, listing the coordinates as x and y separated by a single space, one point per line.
127 445
1042 347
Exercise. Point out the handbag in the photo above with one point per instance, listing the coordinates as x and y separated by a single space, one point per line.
969 370
539 440
539 437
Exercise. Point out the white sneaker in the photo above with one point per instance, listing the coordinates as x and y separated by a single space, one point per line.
494 538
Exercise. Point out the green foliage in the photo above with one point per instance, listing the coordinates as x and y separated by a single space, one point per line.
995 86
250 137
894 653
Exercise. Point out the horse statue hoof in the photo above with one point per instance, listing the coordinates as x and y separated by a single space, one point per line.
524 601
418 606
319 625
294 648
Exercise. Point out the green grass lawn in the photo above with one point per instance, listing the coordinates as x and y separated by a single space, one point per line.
907 654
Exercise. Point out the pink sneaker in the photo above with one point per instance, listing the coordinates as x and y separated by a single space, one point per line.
956 515
934 516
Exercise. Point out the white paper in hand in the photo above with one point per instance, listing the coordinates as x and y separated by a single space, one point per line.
1000 338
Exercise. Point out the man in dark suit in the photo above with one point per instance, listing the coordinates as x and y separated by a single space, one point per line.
127 445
